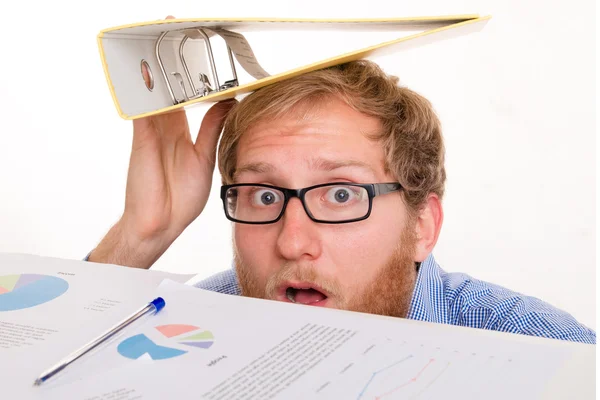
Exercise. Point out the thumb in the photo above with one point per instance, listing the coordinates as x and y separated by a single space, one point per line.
210 129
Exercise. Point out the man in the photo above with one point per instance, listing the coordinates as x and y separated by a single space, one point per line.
334 181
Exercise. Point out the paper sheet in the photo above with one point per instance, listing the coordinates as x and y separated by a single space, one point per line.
205 345
243 52
49 307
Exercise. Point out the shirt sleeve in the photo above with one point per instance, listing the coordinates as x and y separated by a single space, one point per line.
531 316
222 282
484 305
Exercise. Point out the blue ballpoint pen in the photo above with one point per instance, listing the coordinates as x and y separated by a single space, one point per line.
154 306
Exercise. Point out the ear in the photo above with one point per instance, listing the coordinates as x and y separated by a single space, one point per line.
428 227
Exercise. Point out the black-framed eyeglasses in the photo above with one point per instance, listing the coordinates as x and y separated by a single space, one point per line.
328 203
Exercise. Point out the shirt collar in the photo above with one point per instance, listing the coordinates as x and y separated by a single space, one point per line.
427 303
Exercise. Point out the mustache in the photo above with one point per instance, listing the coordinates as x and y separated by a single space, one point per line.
303 273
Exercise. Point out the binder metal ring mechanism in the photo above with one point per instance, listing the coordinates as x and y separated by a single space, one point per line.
159 66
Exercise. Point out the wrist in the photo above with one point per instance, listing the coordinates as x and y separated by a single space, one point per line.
121 246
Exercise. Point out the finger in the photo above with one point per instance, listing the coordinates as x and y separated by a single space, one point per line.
210 129
142 131
169 126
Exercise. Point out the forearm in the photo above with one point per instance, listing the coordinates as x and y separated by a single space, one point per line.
119 248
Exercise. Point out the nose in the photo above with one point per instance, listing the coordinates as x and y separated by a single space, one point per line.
299 237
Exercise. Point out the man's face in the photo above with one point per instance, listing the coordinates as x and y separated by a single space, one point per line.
365 266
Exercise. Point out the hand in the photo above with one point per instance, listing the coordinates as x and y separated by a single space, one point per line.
168 185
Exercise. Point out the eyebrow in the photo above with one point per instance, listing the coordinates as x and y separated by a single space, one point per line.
257 168
319 164
323 164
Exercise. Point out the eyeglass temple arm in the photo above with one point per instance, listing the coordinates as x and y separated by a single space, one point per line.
384 188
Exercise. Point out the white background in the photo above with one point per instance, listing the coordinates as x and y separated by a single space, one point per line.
516 100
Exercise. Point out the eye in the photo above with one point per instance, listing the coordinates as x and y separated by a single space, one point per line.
265 197
232 193
341 195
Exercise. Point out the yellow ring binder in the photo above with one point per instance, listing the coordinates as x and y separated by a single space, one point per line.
123 46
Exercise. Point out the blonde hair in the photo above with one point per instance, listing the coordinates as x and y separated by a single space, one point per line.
411 133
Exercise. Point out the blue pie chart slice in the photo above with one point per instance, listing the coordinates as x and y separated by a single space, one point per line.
138 345
28 290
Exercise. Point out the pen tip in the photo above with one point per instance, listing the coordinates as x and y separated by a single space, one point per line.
37 382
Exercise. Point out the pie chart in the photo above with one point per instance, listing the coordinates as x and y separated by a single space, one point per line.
177 335
28 290
140 345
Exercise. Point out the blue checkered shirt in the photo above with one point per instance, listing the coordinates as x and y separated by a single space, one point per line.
458 299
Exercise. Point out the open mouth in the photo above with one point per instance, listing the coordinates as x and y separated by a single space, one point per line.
304 294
